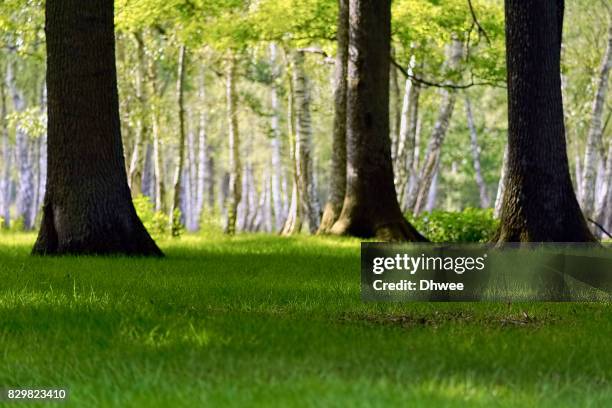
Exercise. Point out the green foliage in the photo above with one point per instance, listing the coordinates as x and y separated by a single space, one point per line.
177 226
156 222
210 224
469 225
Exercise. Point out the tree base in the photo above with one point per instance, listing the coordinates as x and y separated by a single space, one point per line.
120 236
398 230
509 233
329 218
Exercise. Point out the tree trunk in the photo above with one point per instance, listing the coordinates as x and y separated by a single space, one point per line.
370 206
406 146
234 193
501 185
25 189
160 190
337 183
7 154
180 92
482 186
148 173
605 198
202 162
275 146
308 194
591 156
293 223
539 203
137 160
434 148
87 207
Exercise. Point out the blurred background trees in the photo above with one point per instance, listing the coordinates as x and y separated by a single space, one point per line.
253 82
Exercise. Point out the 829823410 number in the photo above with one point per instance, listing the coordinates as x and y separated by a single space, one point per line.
34 394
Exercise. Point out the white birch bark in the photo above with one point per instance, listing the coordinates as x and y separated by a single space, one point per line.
475 148
594 138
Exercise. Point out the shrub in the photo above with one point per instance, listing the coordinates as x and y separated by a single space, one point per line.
469 225
156 222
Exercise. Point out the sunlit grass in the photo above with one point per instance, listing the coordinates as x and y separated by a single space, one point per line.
264 320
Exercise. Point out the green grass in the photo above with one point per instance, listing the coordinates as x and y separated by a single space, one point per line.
266 321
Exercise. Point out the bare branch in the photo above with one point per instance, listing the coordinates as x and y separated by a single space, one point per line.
481 30
447 85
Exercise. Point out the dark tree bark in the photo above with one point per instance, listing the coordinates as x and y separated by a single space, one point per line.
370 206
87 207
337 184
539 203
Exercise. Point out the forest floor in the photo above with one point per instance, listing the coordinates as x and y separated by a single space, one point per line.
268 321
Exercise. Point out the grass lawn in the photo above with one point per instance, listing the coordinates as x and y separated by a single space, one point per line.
267 321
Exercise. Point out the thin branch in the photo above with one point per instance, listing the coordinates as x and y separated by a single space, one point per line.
601 228
314 50
481 30
446 85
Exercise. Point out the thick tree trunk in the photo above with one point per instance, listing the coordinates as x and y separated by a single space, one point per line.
594 138
370 206
234 193
87 207
434 148
539 203
308 193
337 177
275 145
475 148
180 92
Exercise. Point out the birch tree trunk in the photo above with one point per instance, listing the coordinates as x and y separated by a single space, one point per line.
501 185
203 173
275 144
148 173
603 205
7 154
591 158
432 156
293 223
403 164
135 169
475 148
180 92
303 144
25 189
337 184
160 191
235 179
